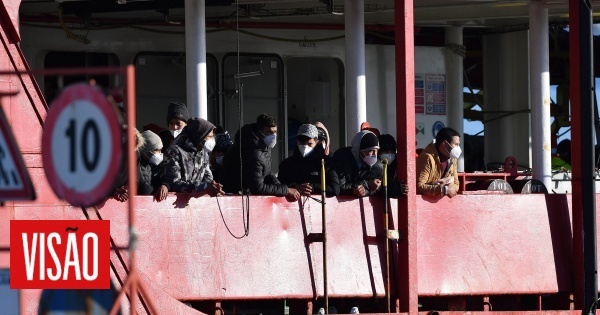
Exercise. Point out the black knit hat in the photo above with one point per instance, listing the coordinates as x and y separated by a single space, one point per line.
387 143
177 110
197 129
369 141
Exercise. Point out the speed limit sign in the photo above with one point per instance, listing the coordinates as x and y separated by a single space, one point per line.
82 146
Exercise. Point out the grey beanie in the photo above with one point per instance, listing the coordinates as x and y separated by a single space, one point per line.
151 142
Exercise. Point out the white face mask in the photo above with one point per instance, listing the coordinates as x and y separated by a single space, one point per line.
270 140
219 159
304 149
175 133
455 152
370 159
209 145
156 158
388 156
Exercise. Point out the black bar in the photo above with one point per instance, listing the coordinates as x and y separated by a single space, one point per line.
586 90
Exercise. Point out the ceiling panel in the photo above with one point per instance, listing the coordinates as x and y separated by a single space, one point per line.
469 13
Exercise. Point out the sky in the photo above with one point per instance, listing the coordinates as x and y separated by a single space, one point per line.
474 127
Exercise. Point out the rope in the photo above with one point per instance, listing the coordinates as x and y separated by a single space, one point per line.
240 88
147 29
245 217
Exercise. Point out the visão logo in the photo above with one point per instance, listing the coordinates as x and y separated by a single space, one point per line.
59 254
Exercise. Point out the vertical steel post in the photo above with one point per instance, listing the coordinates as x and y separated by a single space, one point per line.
386 228
582 143
356 83
454 83
324 229
195 57
405 133
132 179
539 78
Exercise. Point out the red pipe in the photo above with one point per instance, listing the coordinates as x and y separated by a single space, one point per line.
215 24
9 19
405 133
132 179
577 204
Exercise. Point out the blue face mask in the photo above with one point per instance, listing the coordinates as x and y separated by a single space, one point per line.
270 140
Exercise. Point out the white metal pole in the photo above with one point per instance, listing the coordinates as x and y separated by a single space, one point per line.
454 84
540 92
356 83
195 57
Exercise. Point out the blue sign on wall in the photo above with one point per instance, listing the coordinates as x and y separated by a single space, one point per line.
437 126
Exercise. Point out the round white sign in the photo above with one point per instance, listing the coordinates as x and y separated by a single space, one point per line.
82 146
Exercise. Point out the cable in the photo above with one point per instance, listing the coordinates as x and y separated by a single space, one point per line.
245 217
562 134
223 29
68 32
240 90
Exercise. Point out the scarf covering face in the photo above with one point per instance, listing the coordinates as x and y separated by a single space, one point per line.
197 129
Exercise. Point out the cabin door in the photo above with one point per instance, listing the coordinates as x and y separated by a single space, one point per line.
315 88
259 82
161 80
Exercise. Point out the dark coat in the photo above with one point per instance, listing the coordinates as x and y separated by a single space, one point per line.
149 178
299 170
353 172
256 165
186 168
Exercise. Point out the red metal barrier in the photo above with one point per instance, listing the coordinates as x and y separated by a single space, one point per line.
467 245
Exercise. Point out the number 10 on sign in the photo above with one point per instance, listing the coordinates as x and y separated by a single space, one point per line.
82 146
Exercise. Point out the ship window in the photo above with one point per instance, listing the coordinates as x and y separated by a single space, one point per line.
258 78
161 79
76 59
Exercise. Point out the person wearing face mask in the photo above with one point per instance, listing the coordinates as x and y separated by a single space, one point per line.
187 160
357 166
437 173
255 142
218 154
149 164
302 170
121 190
177 117
387 151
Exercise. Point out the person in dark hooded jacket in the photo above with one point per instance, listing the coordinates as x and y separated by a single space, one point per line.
256 141
187 160
303 169
357 166
218 154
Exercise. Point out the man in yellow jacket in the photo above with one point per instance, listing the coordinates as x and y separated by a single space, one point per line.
437 174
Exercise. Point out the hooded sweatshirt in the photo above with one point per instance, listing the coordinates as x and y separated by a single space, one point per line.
328 142
352 171
187 168
256 165
297 169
